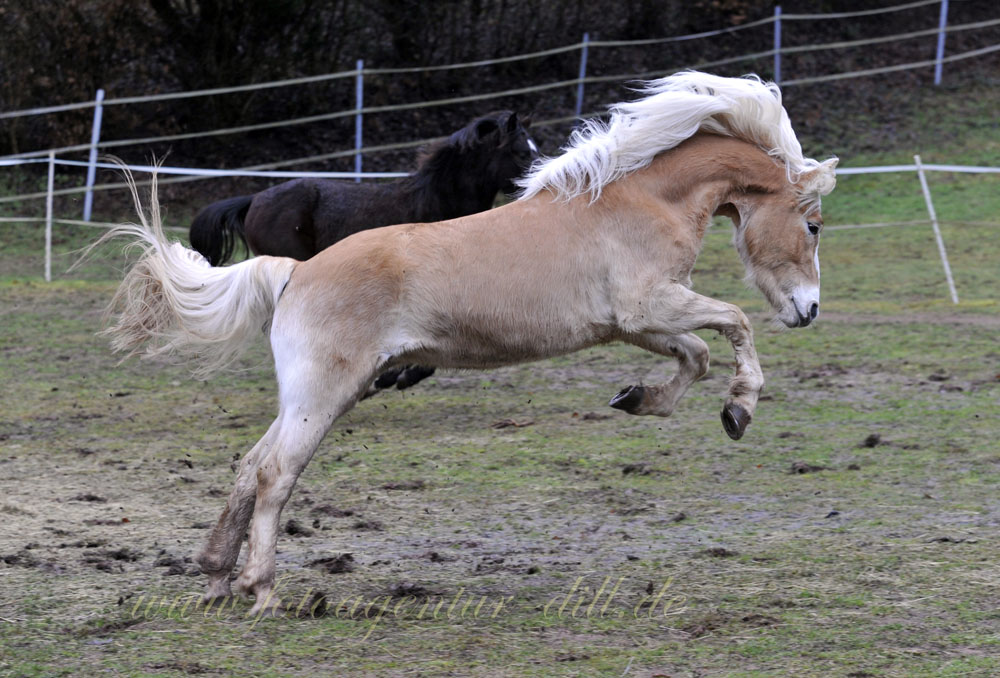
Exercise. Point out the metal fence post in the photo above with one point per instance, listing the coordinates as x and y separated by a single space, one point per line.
942 24
777 44
582 75
937 231
359 95
95 137
48 217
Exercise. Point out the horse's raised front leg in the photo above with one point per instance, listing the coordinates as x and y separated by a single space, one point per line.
660 400
674 309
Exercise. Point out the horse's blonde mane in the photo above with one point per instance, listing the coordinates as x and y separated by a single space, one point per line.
676 108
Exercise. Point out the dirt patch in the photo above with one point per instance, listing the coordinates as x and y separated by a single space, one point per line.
801 467
335 565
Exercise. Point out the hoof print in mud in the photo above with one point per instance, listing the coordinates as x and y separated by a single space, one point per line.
734 420
628 399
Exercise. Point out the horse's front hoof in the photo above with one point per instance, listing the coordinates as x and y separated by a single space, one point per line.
735 420
628 399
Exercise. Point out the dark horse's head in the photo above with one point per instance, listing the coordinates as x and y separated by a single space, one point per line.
482 158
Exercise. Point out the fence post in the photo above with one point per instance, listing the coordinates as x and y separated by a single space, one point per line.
942 24
937 231
359 95
95 137
48 217
777 44
582 75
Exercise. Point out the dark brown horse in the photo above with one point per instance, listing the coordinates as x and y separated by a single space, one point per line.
455 177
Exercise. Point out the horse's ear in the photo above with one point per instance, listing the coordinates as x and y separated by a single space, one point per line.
512 123
486 127
526 122
822 179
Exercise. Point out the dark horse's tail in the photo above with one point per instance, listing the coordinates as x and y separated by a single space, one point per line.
218 227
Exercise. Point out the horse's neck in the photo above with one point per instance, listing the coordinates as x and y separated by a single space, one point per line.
444 189
705 172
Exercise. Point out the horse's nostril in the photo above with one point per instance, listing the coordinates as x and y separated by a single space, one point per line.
813 311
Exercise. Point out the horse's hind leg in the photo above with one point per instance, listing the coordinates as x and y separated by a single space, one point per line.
660 400
312 398
219 555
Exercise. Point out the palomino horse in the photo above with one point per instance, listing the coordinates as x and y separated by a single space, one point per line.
599 248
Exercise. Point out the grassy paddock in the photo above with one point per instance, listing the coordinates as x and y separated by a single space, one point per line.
852 532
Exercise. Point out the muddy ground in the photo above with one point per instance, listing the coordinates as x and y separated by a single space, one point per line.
852 532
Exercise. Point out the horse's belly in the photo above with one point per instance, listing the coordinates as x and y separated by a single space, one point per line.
487 343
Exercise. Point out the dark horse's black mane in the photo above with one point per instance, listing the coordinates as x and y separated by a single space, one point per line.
455 176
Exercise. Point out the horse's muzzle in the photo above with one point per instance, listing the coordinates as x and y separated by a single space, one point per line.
802 307
809 316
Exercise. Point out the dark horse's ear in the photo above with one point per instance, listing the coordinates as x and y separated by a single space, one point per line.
512 123
486 127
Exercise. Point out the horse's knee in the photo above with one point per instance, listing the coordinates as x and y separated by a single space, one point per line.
698 359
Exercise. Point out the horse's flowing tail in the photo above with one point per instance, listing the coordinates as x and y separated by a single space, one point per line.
218 228
174 303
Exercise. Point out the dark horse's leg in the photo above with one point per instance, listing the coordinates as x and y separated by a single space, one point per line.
400 377
412 374
388 378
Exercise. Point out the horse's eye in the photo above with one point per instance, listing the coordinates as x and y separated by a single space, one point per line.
814 227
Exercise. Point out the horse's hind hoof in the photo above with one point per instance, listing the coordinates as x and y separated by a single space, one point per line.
734 420
628 398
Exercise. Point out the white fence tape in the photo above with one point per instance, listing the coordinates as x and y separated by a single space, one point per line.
289 174
468 64
883 169
49 219
323 117
863 12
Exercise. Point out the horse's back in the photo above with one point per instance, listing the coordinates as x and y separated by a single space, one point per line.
280 222
491 288
302 217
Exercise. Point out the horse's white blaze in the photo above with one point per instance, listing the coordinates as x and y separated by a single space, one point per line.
532 145
816 260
